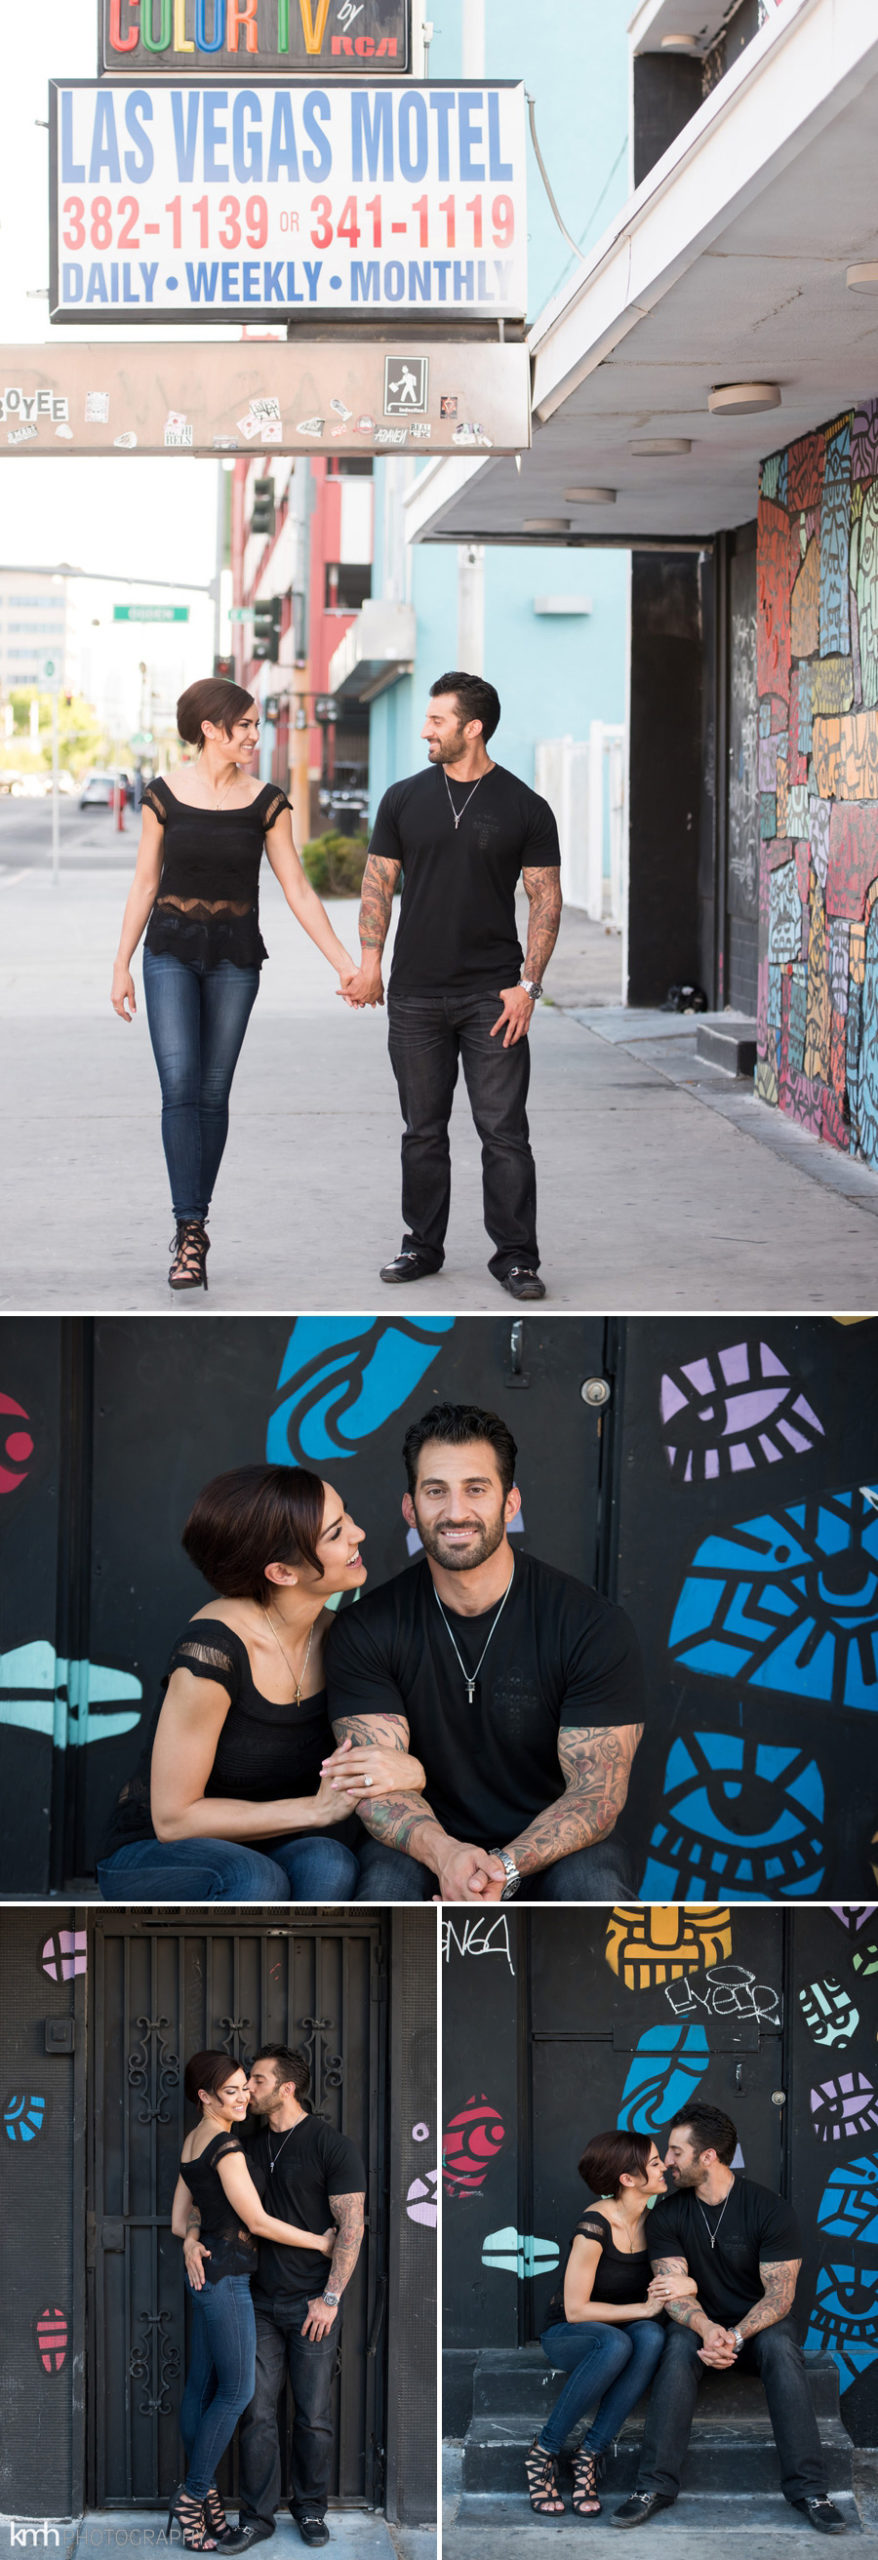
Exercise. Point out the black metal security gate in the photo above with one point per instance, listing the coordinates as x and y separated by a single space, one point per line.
162 1990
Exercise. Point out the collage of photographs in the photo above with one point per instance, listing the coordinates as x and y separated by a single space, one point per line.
439 1588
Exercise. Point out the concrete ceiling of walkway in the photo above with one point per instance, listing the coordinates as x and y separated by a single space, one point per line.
729 264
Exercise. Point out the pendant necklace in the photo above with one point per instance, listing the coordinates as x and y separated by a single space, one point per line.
713 2236
471 1678
457 814
272 2163
297 1681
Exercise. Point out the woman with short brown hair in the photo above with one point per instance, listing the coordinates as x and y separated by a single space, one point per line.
196 894
604 2326
239 1794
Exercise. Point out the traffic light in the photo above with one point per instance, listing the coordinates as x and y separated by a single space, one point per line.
262 513
271 709
267 618
225 667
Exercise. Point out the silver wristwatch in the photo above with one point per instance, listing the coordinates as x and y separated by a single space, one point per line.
738 2339
513 1878
333 2300
533 987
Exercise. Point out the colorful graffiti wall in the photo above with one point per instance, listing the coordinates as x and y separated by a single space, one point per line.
558 2025
817 675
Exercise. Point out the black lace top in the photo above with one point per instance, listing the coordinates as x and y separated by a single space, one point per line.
622 2276
265 1750
207 902
232 2247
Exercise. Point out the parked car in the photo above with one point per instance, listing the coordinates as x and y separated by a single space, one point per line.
11 783
98 788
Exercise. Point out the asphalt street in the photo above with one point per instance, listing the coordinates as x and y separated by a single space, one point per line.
663 1185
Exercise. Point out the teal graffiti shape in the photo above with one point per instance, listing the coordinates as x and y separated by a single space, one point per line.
72 1703
519 2254
348 1374
24 2118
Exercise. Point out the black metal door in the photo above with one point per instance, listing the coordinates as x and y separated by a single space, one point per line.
631 2012
163 1991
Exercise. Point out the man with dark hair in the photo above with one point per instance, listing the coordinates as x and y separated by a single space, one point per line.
460 835
741 2243
310 2175
520 1689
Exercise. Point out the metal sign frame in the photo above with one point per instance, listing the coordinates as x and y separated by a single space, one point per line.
253 272
363 28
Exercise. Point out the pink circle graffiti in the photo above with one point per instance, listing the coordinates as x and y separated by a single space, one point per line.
19 1446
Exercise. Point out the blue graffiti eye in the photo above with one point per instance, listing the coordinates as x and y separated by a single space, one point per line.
24 2118
749 1832
789 1604
348 1374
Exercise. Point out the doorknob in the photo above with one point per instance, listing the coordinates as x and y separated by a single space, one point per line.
778 2097
596 1392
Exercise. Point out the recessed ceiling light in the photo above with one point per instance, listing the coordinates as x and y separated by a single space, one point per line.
546 524
862 279
743 399
662 444
591 497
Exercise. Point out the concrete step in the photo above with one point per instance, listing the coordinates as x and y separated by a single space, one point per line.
729 1043
731 2449
757 2528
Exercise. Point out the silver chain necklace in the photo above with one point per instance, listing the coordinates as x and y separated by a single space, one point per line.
272 2162
457 814
471 1678
713 2236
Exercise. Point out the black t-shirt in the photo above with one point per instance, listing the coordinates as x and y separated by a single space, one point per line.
622 2275
755 2224
457 913
311 2162
232 2248
559 1655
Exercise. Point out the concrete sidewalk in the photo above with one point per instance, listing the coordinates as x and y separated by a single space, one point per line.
139 2531
662 1186
746 2528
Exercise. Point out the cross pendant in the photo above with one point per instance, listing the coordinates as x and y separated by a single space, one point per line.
470 1690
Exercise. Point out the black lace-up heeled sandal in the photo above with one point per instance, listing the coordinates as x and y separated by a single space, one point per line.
191 2516
585 2483
226 2536
190 1247
542 2482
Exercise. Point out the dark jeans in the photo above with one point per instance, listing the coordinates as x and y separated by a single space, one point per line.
311 2367
600 1874
318 1869
609 2368
429 1037
197 1019
219 2383
775 2354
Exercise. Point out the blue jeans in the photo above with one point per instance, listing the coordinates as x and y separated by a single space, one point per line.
609 2368
219 2383
777 2357
197 1019
599 1874
318 1869
429 1037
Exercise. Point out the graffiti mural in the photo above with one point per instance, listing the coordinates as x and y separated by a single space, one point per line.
472 2140
667 2067
24 2118
829 2013
51 2337
345 1376
844 2107
664 1942
18 1447
741 1816
519 2255
73 1702
843 2314
733 1409
788 1603
65 1954
817 677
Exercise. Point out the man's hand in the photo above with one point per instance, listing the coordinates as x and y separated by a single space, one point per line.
717 2347
366 986
194 2255
517 1009
320 2318
467 1874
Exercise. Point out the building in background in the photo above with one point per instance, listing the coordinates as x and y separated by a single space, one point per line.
709 385
38 619
301 558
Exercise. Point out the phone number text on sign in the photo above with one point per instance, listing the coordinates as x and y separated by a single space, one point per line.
217 200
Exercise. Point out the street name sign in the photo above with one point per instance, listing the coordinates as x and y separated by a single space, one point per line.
269 201
332 395
163 38
150 613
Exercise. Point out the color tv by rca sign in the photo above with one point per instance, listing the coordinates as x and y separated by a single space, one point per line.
243 36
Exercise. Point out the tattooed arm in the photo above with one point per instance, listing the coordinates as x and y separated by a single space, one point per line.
543 888
596 1766
779 2280
376 900
717 2345
406 1821
347 2212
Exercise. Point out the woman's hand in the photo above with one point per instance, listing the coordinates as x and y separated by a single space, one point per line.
122 996
346 987
373 1768
327 2241
671 2288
